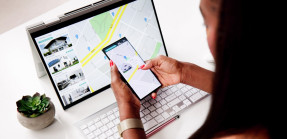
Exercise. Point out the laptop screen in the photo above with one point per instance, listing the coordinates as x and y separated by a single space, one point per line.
72 51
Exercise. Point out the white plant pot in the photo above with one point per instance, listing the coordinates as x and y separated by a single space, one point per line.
39 122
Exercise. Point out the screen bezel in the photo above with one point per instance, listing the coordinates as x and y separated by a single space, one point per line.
124 79
75 20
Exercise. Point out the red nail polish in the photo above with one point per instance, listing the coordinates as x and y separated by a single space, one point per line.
153 95
141 66
112 63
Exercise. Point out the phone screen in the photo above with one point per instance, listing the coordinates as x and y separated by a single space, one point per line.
123 54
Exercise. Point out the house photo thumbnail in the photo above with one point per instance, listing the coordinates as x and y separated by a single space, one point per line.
63 62
76 94
56 45
69 79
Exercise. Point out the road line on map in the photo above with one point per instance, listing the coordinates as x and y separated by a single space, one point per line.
92 89
105 37
133 73
109 38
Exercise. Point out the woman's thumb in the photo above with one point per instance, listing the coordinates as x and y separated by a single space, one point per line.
148 65
114 71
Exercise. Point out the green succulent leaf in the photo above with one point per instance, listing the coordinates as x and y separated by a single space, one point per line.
46 101
25 98
21 106
19 103
36 100
34 108
34 115
36 95
43 96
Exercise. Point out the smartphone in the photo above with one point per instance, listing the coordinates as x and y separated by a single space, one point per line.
125 57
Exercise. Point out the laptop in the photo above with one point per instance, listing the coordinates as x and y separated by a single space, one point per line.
69 50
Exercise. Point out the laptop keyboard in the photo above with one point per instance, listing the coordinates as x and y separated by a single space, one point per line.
170 102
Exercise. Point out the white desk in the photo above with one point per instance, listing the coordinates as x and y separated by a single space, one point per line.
184 36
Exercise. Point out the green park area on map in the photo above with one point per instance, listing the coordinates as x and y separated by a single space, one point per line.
101 24
156 50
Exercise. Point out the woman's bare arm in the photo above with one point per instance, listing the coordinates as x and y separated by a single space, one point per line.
196 76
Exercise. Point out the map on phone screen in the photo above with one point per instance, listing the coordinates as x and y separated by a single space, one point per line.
128 61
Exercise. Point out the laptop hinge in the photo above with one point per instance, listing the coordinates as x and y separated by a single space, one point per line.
36 25
52 21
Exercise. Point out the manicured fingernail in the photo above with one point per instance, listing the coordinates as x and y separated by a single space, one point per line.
111 63
153 95
141 66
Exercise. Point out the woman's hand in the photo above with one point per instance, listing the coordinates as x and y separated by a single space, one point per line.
167 70
170 71
129 105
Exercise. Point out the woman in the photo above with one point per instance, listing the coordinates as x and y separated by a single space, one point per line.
241 105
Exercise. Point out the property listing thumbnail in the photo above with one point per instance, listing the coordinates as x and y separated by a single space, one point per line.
56 45
77 93
69 78
61 62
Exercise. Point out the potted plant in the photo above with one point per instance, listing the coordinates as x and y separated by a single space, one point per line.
35 112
